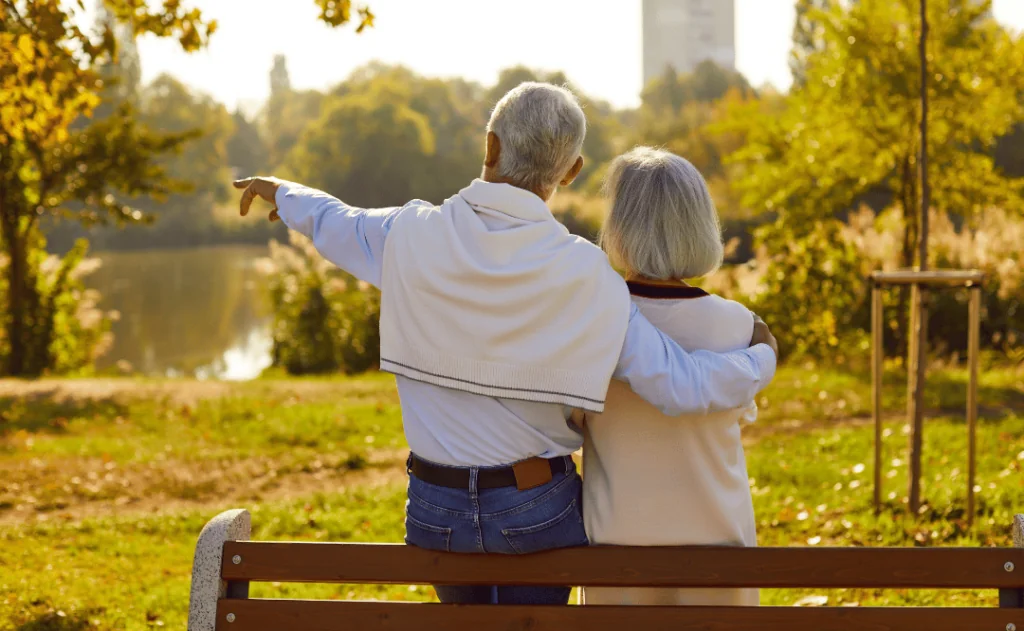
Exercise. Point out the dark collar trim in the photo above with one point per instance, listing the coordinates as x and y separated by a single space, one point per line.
665 292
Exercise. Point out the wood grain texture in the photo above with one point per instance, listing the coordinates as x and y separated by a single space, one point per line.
629 566
973 335
289 615
954 278
877 365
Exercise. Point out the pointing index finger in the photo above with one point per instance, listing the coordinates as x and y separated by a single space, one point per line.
243 183
247 196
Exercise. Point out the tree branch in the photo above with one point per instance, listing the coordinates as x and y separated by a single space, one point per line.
13 10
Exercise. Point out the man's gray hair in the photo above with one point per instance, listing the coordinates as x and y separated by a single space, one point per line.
663 224
541 128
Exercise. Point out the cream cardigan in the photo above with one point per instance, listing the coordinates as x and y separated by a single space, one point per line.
653 480
529 312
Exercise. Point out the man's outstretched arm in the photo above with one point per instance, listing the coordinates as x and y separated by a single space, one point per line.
351 238
677 382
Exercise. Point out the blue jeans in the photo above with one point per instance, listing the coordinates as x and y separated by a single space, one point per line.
497 521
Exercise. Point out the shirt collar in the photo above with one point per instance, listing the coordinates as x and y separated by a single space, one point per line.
664 292
506 199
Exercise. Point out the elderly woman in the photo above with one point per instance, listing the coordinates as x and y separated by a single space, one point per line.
650 479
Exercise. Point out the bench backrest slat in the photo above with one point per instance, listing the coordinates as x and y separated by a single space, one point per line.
976 568
277 615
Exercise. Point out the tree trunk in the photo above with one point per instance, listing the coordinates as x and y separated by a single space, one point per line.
27 345
17 294
908 201
919 311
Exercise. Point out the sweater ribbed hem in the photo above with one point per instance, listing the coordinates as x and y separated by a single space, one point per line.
538 385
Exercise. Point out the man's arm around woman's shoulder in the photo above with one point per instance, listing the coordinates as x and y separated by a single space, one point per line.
678 382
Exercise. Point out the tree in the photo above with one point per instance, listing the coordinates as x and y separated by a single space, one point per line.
288 112
121 73
852 126
454 117
371 150
201 164
680 113
808 36
707 83
49 73
247 151
51 164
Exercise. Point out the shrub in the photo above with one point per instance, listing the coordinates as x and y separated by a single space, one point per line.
324 319
811 285
806 284
67 331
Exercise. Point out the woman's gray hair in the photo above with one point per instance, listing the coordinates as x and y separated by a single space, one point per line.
541 128
663 224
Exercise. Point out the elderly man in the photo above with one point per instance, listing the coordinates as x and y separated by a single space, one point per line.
498 324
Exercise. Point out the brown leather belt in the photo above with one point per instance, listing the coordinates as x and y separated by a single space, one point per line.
524 475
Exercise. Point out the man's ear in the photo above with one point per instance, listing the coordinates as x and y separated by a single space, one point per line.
573 172
493 150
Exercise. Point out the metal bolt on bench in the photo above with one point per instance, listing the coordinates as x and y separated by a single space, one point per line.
226 561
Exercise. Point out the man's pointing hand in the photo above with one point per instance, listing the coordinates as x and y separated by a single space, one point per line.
265 187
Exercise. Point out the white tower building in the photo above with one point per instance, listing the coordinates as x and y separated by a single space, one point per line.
683 33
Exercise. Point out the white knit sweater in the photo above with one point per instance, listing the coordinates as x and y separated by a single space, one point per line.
529 312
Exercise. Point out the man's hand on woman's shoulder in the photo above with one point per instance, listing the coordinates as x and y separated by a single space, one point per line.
763 335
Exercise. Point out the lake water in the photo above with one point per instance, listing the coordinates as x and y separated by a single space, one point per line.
198 312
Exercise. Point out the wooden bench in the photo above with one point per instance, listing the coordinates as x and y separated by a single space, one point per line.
226 562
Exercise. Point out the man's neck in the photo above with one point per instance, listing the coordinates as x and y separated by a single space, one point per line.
544 194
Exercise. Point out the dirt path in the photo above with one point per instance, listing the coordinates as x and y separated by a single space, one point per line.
72 490
185 391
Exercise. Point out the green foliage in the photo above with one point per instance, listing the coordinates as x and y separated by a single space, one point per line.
50 74
324 319
288 115
80 330
247 150
201 165
386 135
66 331
799 271
371 151
708 82
58 154
682 112
808 36
852 127
454 117
848 131
812 283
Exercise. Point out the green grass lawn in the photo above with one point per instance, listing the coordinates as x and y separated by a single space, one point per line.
58 452
65 567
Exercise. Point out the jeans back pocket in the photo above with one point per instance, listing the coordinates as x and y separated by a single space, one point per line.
564 530
426 536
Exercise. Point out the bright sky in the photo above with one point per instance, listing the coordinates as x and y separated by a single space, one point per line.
597 43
